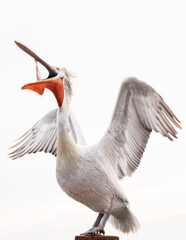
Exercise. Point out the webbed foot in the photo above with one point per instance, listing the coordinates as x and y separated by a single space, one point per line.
98 227
95 231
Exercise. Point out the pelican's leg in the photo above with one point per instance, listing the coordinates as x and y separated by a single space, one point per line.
99 229
98 219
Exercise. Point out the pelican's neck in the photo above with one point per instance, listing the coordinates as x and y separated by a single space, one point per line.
66 146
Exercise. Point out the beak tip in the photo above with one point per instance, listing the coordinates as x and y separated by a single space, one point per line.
17 43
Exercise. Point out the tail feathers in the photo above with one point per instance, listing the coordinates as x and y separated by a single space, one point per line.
124 220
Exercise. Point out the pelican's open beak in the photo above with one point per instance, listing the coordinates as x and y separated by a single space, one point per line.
54 82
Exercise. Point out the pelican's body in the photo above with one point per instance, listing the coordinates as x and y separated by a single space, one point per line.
82 174
90 174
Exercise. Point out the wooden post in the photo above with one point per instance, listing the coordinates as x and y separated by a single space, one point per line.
96 237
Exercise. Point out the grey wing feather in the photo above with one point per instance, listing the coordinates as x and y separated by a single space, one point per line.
43 136
139 110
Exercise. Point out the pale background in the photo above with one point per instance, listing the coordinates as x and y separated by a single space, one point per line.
103 42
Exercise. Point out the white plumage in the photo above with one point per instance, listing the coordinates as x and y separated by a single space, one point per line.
90 174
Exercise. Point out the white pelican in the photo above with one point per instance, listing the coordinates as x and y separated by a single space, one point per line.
90 174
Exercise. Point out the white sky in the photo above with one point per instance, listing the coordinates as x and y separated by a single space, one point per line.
103 42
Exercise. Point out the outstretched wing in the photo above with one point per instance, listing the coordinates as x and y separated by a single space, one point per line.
139 110
43 136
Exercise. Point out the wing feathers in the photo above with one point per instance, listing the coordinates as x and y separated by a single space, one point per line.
139 110
43 136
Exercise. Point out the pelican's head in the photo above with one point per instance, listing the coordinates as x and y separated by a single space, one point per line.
58 80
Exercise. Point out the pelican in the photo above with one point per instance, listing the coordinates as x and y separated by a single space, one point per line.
91 174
